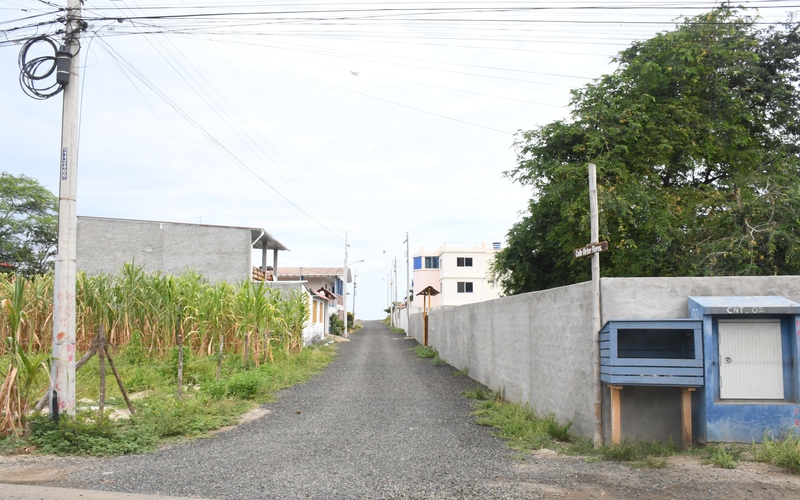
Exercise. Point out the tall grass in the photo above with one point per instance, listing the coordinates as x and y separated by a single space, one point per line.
144 312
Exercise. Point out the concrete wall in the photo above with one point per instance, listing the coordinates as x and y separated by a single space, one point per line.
635 298
537 347
219 253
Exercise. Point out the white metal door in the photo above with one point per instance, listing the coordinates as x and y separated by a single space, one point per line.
750 359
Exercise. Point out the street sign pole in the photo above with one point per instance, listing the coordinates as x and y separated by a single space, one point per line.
595 230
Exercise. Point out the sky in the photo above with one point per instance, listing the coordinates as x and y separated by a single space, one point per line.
315 118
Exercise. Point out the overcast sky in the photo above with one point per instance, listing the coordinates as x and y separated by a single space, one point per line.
310 118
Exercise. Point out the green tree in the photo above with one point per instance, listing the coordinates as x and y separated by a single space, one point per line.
28 220
695 137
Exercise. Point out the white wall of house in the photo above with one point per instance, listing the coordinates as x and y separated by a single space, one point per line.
461 276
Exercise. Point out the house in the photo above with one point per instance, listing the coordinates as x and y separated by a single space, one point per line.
220 253
458 272
316 325
325 281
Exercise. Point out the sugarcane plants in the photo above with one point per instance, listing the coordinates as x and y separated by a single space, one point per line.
25 371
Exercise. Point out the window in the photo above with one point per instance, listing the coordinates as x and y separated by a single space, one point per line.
431 262
417 263
464 287
463 261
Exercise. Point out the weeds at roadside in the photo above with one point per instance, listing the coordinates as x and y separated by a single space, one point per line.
437 361
397 330
783 452
518 425
723 456
160 417
423 351
479 393
464 372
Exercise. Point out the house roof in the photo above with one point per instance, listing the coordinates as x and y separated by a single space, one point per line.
259 237
314 272
327 293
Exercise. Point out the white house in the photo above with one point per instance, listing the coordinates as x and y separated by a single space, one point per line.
458 272
325 281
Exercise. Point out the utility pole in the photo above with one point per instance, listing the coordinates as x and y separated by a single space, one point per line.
62 368
344 285
396 298
596 319
391 302
408 288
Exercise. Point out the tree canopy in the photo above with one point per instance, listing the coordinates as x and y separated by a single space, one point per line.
28 220
695 138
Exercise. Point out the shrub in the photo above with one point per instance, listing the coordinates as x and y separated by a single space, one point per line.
336 324
88 434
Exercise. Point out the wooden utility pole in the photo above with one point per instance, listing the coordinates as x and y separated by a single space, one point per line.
62 368
595 236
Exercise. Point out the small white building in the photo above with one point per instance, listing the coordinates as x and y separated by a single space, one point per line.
458 272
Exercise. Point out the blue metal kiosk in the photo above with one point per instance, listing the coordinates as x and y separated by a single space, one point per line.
752 385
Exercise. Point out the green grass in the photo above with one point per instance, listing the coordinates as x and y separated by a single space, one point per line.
464 372
161 417
425 351
398 330
524 431
479 393
783 452
437 361
726 457
519 425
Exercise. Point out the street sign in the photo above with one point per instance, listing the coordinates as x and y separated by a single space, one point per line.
590 249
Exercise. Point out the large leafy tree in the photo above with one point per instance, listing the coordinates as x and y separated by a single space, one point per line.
28 223
695 137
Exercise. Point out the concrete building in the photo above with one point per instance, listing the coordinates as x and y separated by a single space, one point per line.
220 253
458 272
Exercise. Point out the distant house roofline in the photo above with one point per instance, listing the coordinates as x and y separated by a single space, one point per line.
259 237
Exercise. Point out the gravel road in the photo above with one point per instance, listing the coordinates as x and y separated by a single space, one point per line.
378 422
381 423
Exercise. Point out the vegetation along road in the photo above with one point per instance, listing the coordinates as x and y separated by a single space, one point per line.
381 422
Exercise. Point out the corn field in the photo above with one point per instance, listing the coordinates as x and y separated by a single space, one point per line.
145 311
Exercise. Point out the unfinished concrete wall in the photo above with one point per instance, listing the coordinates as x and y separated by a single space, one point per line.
634 298
537 347
219 253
